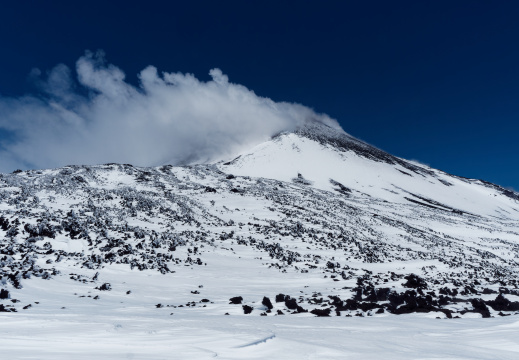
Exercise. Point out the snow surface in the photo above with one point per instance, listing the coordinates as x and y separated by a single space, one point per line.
137 336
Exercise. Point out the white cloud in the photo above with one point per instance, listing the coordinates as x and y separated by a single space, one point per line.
170 118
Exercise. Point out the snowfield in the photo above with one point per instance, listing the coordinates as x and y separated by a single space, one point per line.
134 336
312 245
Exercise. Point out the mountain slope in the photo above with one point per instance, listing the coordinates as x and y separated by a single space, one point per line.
325 156
311 223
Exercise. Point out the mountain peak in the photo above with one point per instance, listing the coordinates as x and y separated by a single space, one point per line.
342 141
328 158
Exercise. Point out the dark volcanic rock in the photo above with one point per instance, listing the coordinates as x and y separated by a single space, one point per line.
4 294
374 294
415 282
412 302
266 301
4 223
280 298
500 303
487 291
4 309
321 312
235 300
480 307
291 304
105 287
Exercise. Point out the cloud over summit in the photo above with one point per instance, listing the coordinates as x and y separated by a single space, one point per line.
94 116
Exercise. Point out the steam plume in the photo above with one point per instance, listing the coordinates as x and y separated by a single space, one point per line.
97 117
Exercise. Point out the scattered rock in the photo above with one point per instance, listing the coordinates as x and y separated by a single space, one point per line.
415 282
321 312
280 298
235 300
4 294
105 287
480 307
500 303
266 302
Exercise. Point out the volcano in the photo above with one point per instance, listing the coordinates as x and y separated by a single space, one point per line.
311 223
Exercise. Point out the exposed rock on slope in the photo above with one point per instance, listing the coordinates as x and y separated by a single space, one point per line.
340 227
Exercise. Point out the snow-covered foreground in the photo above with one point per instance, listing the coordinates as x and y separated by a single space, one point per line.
80 336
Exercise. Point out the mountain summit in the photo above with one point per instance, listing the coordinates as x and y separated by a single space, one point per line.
312 222
330 159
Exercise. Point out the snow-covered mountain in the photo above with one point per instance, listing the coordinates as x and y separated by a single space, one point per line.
329 158
310 222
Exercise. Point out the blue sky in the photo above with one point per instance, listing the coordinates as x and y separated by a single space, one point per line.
436 82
